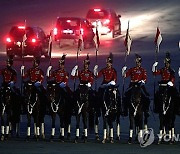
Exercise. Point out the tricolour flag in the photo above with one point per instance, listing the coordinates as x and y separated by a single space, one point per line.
128 41
158 39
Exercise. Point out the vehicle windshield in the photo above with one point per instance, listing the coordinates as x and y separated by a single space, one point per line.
97 14
16 32
68 23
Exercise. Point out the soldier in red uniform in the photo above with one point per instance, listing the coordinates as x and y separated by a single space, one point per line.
86 79
168 113
9 77
167 73
60 78
138 75
167 77
35 76
85 76
109 75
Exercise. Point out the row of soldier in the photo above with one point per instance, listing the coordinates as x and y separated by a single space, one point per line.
35 76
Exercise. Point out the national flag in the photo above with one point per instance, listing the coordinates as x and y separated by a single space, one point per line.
158 39
128 41
96 39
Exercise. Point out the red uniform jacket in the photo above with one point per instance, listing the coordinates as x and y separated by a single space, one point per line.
85 76
137 74
108 75
8 74
166 74
34 74
60 75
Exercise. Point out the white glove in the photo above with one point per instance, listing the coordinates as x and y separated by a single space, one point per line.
37 84
179 72
124 70
11 84
112 83
62 85
48 71
22 70
142 82
73 72
89 85
96 70
170 84
154 66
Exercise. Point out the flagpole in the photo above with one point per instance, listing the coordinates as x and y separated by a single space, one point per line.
50 47
158 39
97 49
23 43
80 41
126 54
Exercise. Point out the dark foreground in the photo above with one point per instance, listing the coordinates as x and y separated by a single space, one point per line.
20 146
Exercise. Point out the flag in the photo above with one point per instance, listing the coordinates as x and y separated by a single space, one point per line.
50 43
128 41
158 39
80 41
23 42
24 38
96 39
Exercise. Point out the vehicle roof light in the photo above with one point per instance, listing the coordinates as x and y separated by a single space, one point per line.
21 27
68 21
8 39
33 40
97 10
55 31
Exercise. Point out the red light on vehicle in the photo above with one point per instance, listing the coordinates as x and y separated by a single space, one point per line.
55 31
82 31
21 27
107 21
33 40
97 10
8 40
67 31
68 21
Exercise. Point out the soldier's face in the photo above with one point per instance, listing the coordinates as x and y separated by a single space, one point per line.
167 65
109 65
8 64
86 66
35 64
138 63
61 66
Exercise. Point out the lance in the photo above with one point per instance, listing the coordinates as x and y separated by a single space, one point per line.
97 49
80 44
157 41
127 42
50 47
22 47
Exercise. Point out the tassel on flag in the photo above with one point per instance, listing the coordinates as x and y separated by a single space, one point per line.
158 39
96 39
128 41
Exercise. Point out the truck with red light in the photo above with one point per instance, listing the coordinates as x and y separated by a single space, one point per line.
68 29
23 41
106 20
